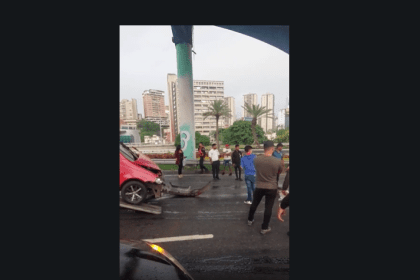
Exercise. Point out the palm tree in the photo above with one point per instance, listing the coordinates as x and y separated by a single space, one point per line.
217 109
256 112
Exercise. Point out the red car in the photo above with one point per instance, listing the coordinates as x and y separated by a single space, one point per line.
139 176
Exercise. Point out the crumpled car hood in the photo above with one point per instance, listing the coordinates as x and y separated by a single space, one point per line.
145 161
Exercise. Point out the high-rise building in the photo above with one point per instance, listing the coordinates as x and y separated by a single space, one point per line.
204 92
282 119
230 101
173 106
154 106
267 121
154 103
251 99
128 110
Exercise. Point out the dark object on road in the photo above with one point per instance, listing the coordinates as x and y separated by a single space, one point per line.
141 178
144 260
187 192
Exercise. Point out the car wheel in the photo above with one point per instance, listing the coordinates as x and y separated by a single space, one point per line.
133 192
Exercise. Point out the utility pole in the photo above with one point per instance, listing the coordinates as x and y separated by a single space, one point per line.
182 38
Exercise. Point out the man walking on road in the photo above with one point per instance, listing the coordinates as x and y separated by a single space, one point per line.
236 161
214 160
267 168
247 162
202 153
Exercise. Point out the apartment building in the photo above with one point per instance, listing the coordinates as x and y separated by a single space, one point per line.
204 92
282 118
173 106
251 99
230 101
265 121
128 110
154 103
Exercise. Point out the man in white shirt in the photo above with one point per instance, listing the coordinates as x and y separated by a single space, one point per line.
226 159
214 160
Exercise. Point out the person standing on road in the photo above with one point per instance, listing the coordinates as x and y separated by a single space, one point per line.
214 160
202 153
179 155
278 154
236 161
247 162
226 159
267 168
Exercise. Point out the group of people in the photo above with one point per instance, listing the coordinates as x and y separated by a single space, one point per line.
261 175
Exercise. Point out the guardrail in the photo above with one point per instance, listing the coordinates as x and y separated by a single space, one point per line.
193 162
172 145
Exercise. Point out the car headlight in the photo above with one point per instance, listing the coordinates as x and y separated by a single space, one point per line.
158 181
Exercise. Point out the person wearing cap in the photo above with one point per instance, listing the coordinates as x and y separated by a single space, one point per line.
226 161
266 167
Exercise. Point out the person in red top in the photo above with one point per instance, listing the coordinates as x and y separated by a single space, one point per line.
202 153
179 155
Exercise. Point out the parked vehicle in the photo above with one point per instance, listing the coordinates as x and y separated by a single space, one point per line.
144 260
141 178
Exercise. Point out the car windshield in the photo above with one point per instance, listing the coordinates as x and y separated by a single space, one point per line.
127 153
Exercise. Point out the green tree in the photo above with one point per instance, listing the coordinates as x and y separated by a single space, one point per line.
240 132
201 138
147 128
256 111
198 138
217 109
213 134
282 135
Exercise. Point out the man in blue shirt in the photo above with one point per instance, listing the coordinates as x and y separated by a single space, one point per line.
247 162
278 154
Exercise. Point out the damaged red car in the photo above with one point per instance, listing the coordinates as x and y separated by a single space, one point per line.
141 178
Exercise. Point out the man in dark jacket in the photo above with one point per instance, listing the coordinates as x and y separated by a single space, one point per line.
236 161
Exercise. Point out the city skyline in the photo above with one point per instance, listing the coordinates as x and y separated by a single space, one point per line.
245 64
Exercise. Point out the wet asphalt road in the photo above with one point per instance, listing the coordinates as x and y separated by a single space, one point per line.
236 251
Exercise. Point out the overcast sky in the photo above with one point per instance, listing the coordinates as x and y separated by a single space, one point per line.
244 64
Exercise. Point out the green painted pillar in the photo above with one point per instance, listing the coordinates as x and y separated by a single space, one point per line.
186 98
